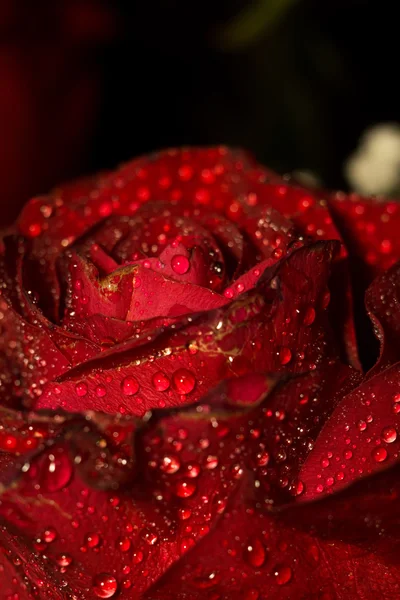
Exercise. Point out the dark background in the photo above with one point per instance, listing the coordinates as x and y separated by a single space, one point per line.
85 84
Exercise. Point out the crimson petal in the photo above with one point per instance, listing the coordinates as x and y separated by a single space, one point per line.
360 438
130 537
369 229
383 304
24 573
290 296
344 548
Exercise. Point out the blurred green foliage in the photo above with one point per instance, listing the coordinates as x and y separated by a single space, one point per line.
250 24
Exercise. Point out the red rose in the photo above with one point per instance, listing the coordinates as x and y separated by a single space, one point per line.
178 400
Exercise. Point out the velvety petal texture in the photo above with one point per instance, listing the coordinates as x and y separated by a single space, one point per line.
184 413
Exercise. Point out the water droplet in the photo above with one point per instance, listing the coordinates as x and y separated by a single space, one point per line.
283 575
211 462
180 264
54 471
184 381
262 459
150 537
39 545
255 553
81 389
326 300
34 229
379 454
186 544
123 544
160 381
309 316
105 209
192 470
126 584
137 557
64 560
104 585
389 435
184 514
129 386
49 535
8 442
237 471
143 193
297 488
185 172
170 464
206 581
92 540
285 356
185 489
386 246
100 391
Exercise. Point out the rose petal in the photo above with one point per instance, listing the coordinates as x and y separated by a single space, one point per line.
21 376
23 571
133 293
202 176
344 547
360 438
310 213
134 537
124 537
269 231
382 301
275 317
369 229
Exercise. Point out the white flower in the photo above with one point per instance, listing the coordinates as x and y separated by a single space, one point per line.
374 168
